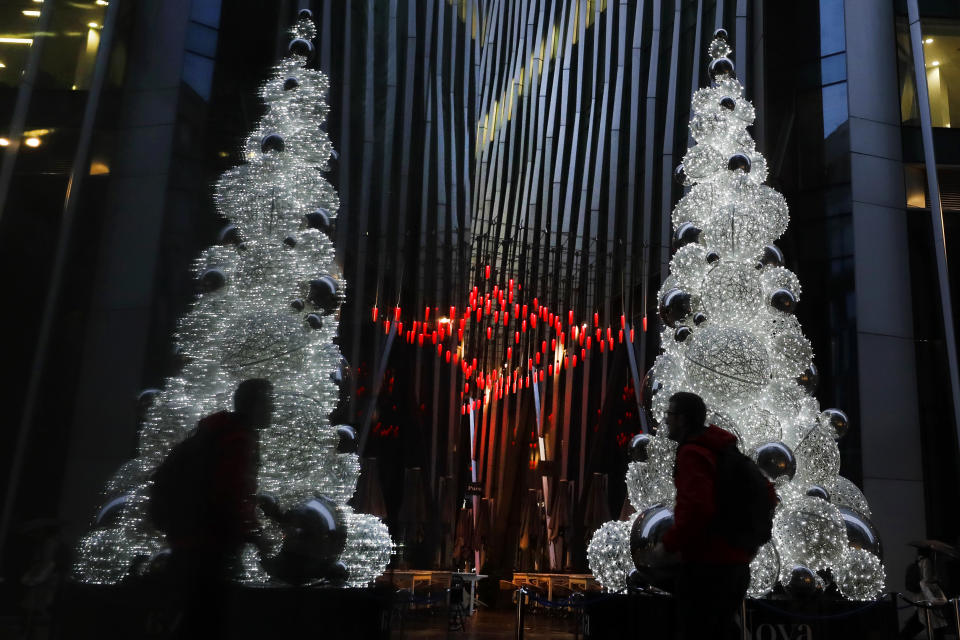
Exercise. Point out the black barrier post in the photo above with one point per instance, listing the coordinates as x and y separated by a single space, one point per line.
956 614
744 634
521 596
928 616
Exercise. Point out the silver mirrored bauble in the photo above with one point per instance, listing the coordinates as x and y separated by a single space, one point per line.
836 422
861 534
674 306
647 531
803 583
775 460
818 491
638 447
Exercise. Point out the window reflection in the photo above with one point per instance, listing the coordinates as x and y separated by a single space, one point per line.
941 50
71 38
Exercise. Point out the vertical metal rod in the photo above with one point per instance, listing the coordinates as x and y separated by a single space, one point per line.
377 384
936 210
956 615
928 617
744 632
521 596
78 170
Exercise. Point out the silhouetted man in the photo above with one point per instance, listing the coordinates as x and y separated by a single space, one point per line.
210 482
714 574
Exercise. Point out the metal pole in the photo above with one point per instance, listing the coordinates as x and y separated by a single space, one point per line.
521 596
377 384
956 615
744 632
78 171
936 210
928 616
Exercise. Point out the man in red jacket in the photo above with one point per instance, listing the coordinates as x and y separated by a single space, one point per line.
207 548
714 575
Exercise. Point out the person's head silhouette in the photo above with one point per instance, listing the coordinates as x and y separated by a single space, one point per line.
253 402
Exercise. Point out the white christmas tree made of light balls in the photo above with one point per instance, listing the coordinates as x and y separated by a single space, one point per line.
268 308
729 335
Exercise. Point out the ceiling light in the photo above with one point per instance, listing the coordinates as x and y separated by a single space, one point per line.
2 66
935 63
102 3
928 41
32 142
93 25
6 40
4 142
32 13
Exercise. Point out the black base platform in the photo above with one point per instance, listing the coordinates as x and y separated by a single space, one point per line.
145 611
650 616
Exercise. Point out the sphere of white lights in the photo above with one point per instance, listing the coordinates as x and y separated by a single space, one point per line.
727 364
764 571
861 576
731 292
811 533
608 555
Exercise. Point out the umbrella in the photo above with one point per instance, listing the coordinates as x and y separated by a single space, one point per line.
483 527
533 534
558 533
463 539
937 546
368 497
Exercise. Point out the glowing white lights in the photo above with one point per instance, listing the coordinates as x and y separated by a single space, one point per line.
741 348
245 326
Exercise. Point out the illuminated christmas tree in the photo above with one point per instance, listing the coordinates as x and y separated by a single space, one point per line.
268 308
729 335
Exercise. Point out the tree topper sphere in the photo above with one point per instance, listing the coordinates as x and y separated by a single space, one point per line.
305 14
722 35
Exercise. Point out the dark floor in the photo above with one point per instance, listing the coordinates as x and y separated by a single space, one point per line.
487 624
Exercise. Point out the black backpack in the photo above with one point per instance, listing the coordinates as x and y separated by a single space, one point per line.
180 495
744 513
